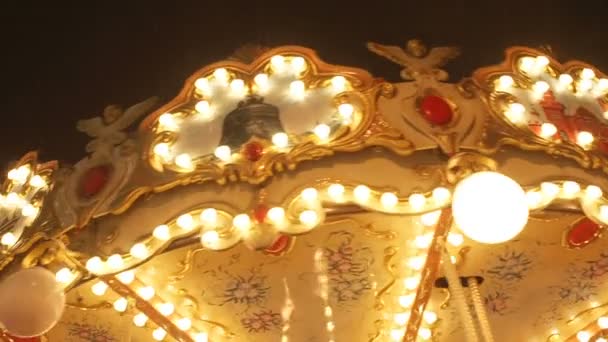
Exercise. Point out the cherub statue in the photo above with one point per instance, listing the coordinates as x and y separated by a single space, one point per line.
416 59
107 130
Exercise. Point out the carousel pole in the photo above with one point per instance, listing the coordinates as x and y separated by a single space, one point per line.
480 310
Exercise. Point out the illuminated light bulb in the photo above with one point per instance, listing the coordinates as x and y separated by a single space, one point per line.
8 239
13 175
534 199
276 215
242 222
389 200
602 322
423 241
541 62
29 211
146 293
602 85
237 86
565 80
322 131
201 337
13 199
140 320
210 237
94 264
425 333
162 150
310 194
455 239
441 195
584 85
547 130
489 207
166 309
202 84
540 87
571 189
401 318
338 84
584 138
277 62
515 112
115 261
411 283
593 192
601 339
603 213
583 336
209 217
161 232
223 153
261 80
346 111
167 121
298 64
184 161
587 74
527 64
204 108
397 334
64 275
336 191
417 201
221 75
184 324
505 82
416 263
139 251
327 311
22 173
309 218
430 219
280 140
549 189
159 334
185 222
99 288
121 304
407 300
37 182
362 193
126 277
297 89
429 317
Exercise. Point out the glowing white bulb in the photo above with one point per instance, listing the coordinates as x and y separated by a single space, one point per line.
140 319
602 322
159 334
584 85
167 121
210 238
389 200
201 337
277 62
126 277
593 192
99 288
571 189
322 131
298 64
184 323
202 84
64 275
407 300
297 89
533 198
139 251
547 130
184 161
162 150
584 139
604 213
549 189
276 215
362 193
261 80
310 194
411 283
237 87
186 222
416 263
146 293
94 264
166 309
121 304
338 84
505 82
242 222
37 182
280 140
402 318
527 64
417 201
346 111
441 195
209 217
540 87
161 232
425 333
29 210
602 85
455 239
541 62
601 339
565 80
515 112
587 74
14 200
397 334
8 239
309 218
336 192
429 317
583 336
430 219
115 261
223 153
204 108
221 75
423 241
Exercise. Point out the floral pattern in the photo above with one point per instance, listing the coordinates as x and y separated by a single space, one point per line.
261 321
510 266
89 333
497 302
248 290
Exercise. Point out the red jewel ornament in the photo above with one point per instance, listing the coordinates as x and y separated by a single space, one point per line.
94 180
582 233
436 110
24 339
260 212
280 245
253 151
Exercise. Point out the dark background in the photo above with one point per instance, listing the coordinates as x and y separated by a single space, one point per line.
61 63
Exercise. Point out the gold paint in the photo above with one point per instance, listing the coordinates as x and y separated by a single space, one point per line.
389 254
464 164
379 324
93 307
446 301
185 264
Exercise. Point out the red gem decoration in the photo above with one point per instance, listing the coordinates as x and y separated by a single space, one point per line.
582 233
436 110
24 339
280 245
260 212
253 151
94 180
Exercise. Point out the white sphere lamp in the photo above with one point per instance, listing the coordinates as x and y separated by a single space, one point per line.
489 207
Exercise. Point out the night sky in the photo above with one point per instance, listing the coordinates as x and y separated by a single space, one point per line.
63 63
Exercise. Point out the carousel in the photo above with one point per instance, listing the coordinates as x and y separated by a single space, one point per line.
281 198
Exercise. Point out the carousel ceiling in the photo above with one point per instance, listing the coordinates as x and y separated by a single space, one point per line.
282 198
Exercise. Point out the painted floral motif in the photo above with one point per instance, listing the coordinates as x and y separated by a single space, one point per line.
89 333
510 266
261 321
596 268
346 290
249 290
497 302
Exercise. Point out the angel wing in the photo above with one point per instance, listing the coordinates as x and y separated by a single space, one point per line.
133 113
393 53
94 127
440 56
